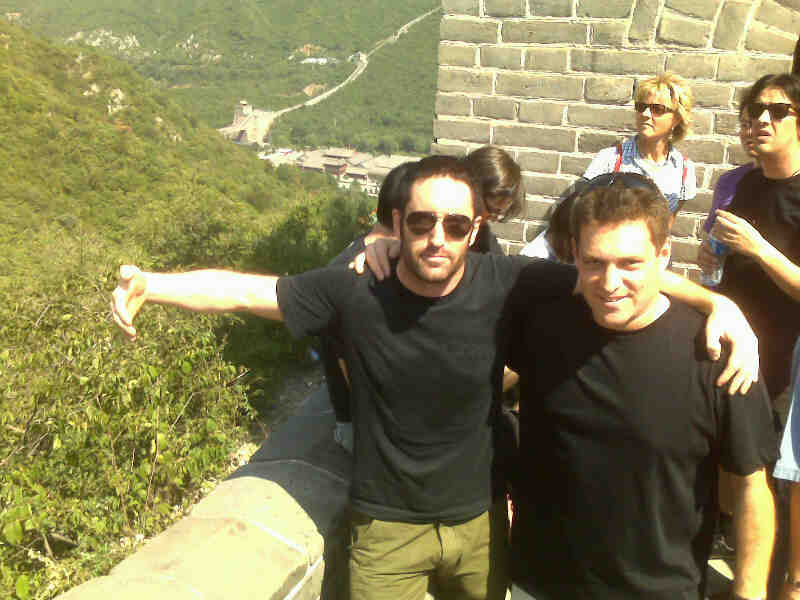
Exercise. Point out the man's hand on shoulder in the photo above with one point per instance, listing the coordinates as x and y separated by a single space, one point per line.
377 256
726 323
127 298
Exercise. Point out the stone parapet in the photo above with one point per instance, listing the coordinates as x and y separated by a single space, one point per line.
273 530
552 81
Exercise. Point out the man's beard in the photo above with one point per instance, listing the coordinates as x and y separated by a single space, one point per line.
416 267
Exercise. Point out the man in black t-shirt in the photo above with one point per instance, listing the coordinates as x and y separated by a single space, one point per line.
423 364
622 429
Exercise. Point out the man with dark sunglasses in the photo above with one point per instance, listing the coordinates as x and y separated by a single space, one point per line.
622 429
761 227
423 366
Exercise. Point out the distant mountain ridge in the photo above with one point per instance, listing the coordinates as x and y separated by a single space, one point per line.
212 54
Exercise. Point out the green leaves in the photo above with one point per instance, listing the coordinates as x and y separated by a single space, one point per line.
12 532
102 439
23 587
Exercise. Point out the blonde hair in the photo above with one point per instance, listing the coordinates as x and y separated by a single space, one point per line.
679 92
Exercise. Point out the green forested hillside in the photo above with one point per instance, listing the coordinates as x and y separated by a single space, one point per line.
100 439
388 109
209 55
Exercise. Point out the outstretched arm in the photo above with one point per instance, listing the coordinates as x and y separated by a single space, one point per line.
201 291
725 323
754 519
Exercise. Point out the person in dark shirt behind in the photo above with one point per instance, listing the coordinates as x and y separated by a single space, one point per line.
622 429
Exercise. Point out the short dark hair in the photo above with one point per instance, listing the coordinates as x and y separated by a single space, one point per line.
558 227
443 166
498 175
619 203
393 190
789 83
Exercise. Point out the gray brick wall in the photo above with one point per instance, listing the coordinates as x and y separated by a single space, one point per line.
551 81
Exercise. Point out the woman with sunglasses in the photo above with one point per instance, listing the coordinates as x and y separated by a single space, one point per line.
663 106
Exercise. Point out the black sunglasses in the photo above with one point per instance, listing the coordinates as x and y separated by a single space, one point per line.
456 226
655 109
777 110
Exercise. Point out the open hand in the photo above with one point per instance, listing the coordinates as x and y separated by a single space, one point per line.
377 256
127 298
727 323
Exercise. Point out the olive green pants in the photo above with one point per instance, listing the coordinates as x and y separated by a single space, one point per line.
400 561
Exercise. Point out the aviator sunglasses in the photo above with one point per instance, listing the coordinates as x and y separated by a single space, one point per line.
655 109
456 226
777 110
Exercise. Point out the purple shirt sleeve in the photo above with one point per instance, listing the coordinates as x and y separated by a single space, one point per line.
724 192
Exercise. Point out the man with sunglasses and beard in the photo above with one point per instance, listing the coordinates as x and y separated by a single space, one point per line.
622 429
425 368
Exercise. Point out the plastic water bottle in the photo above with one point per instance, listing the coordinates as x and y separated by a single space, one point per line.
719 250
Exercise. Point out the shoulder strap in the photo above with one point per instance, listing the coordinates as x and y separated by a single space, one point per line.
682 199
619 159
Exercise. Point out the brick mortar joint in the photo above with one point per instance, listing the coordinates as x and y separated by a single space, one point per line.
656 49
472 18
684 17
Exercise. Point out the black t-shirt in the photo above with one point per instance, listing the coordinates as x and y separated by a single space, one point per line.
621 434
772 206
423 373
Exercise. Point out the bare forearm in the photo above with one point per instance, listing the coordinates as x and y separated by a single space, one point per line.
780 269
689 292
754 518
215 291
378 231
